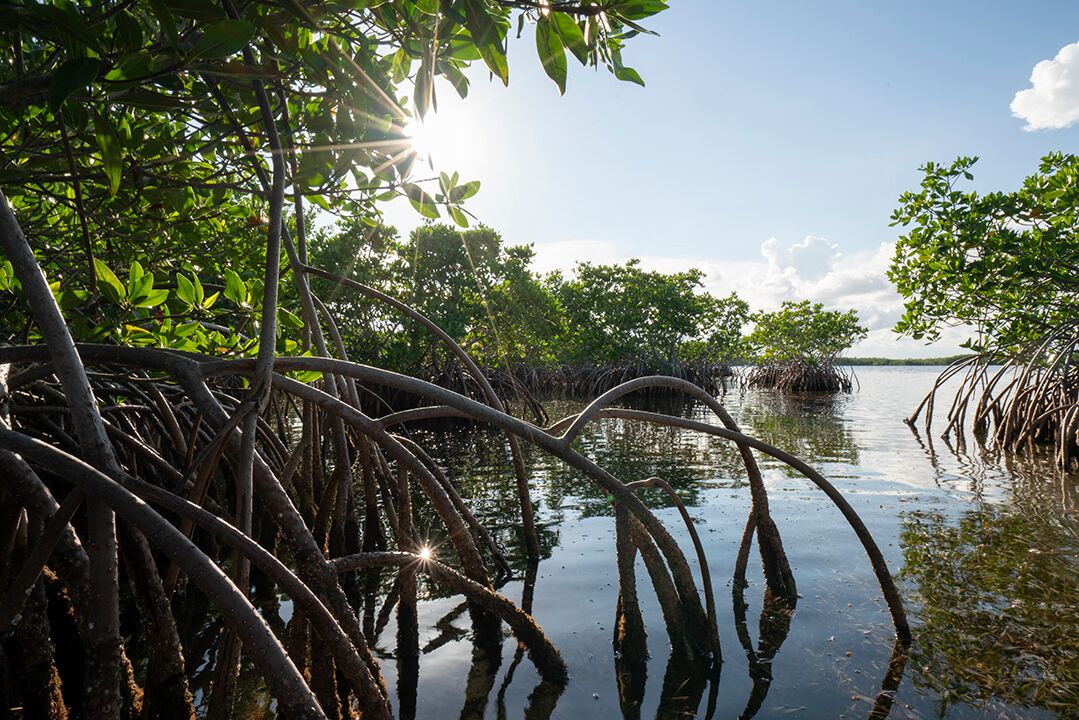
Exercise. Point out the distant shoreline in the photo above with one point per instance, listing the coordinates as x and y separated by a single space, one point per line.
899 361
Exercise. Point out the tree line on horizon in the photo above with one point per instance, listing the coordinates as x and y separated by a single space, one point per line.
487 296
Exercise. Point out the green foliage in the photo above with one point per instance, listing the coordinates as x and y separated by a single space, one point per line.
488 298
480 292
804 333
937 361
619 312
722 320
132 133
1004 263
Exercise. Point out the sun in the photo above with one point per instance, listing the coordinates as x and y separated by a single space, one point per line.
433 139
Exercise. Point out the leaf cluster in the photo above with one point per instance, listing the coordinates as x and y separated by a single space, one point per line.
1004 263
803 332
131 132
488 297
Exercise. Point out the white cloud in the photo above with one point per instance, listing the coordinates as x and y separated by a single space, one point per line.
810 258
814 269
1052 101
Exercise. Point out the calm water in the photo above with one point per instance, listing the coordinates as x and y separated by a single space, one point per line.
986 551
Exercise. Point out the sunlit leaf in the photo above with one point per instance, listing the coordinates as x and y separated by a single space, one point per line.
552 54
108 282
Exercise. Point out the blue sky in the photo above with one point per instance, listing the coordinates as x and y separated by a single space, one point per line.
770 143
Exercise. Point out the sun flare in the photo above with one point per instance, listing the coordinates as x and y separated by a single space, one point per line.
433 139
426 553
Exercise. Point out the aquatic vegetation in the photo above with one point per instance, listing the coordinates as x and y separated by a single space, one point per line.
1003 263
796 348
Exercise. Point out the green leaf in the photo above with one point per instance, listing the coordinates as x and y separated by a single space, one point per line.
69 299
458 216
69 78
149 100
195 9
166 20
67 20
463 192
154 297
496 61
233 69
622 72
628 74
223 38
424 91
638 9
110 285
457 78
552 54
572 36
210 300
480 24
185 290
636 27
132 66
288 319
127 35
421 201
235 289
402 65
111 153
138 284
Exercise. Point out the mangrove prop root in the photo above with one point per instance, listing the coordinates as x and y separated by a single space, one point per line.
1031 400
175 482
104 682
702 560
800 377
546 657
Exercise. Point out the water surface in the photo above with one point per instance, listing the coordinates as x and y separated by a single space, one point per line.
985 549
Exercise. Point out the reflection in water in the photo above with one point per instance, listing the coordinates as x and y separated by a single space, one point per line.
989 547
824 431
997 600
481 679
809 425
774 624
997 589
897 663
408 651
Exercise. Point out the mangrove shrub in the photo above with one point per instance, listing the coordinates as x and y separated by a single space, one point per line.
796 347
1005 265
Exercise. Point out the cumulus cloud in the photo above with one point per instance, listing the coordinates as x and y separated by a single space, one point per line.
1052 101
810 259
814 268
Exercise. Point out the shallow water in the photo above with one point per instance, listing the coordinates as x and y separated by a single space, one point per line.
986 550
